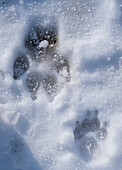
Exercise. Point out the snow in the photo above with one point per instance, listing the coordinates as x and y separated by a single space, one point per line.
43 44
39 134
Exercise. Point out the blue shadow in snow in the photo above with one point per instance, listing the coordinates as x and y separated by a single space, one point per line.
92 65
14 152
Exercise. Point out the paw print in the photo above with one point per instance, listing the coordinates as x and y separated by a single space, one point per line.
40 40
102 132
41 44
89 132
16 146
88 145
50 85
33 83
21 65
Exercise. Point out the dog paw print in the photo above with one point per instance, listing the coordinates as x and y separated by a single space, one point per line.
40 40
50 85
88 145
89 132
41 44
61 66
102 132
21 65
33 83
17 146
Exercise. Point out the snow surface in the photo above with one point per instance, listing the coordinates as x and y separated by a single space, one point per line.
38 135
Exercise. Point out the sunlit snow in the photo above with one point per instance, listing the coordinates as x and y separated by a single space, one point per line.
38 119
